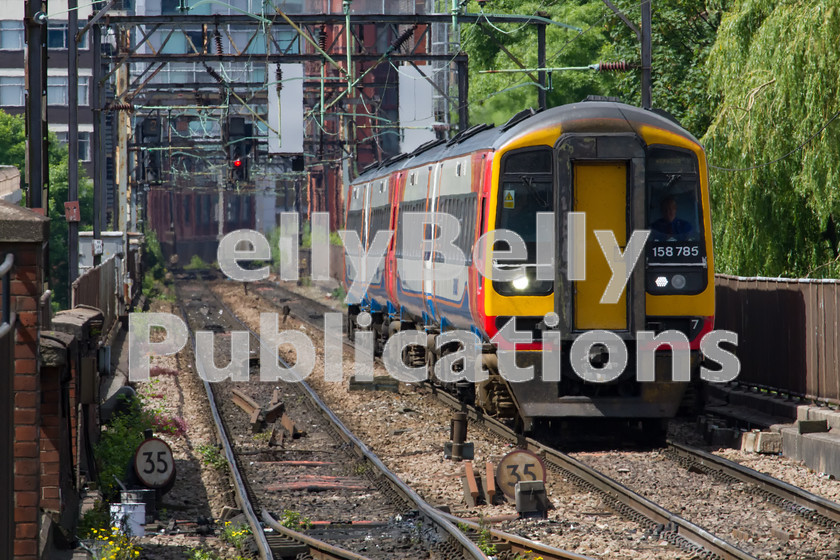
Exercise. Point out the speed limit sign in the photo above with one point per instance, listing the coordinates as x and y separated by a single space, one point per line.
154 464
518 466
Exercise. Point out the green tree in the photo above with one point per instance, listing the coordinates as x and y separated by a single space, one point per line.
776 68
13 152
59 250
682 35
12 140
496 97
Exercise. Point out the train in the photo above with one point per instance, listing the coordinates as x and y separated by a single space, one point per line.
625 169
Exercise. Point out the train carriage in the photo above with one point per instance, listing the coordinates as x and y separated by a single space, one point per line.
625 169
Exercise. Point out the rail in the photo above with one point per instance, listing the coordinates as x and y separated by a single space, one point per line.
436 516
794 498
239 487
798 318
678 530
7 319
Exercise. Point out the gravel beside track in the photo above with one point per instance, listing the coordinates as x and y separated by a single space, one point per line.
724 508
200 490
407 431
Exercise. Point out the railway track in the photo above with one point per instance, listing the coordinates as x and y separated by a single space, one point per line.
669 526
507 545
398 523
786 496
672 527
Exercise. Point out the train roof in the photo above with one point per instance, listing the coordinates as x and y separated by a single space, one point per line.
586 116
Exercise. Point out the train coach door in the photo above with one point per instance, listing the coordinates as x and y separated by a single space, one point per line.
600 192
601 176
429 256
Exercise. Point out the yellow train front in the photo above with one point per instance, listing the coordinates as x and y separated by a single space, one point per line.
615 169
577 184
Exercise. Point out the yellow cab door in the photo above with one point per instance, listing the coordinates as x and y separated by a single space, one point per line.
599 191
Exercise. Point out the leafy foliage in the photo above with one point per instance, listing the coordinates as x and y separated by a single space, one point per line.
776 69
12 140
212 456
155 282
496 97
235 535
295 521
13 152
117 445
683 32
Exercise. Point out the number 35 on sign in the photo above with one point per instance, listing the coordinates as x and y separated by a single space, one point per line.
154 464
518 466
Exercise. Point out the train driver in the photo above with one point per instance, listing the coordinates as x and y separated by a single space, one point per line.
669 226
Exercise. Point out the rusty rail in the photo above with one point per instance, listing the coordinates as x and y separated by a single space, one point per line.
798 318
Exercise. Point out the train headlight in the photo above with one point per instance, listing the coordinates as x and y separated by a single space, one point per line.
521 283
678 281
662 281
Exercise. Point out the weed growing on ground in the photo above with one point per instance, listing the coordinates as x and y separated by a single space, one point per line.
485 540
212 456
196 263
118 443
294 520
235 535
262 437
204 554
154 406
339 294
111 544
96 518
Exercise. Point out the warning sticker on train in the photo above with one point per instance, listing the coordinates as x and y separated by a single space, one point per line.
509 200
154 464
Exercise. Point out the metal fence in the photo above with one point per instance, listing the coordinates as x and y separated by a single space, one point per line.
7 316
101 288
788 333
7 368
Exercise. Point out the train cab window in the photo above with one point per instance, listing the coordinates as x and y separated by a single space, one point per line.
525 188
676 251
673 198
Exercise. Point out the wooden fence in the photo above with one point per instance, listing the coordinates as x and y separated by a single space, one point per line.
788 333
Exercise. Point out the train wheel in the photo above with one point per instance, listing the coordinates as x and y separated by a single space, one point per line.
654 432
465 391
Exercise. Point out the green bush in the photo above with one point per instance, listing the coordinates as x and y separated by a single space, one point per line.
155 283
196 263
117 445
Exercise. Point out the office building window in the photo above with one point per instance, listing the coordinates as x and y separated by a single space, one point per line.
57 90
12 91
59 38
84 146
84 143
84 93
11 35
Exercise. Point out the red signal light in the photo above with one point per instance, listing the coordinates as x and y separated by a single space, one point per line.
237 163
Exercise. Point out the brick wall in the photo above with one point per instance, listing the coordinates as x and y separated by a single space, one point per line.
25 289
23 233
